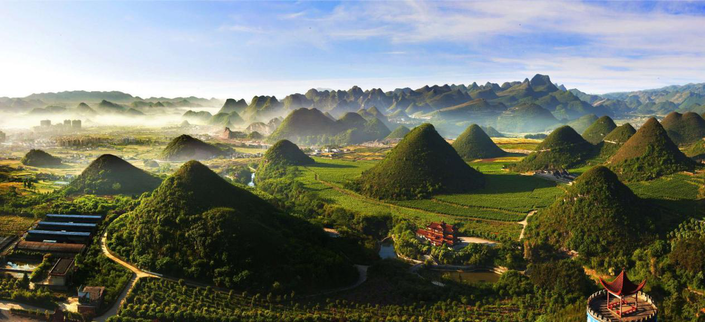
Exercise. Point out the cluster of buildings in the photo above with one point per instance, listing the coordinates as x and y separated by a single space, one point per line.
64 237
67 125
439 234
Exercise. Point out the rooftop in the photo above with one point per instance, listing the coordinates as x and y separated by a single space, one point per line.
62 266
50 247
59 233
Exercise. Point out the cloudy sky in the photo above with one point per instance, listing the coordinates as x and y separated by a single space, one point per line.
239 49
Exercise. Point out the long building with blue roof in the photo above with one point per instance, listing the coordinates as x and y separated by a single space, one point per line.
58 236
67 226
74 218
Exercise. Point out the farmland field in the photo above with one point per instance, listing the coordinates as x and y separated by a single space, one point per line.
11 225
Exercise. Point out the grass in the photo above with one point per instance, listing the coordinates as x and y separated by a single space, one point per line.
11 225
337 172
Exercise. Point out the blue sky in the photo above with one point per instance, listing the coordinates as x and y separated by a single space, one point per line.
240 49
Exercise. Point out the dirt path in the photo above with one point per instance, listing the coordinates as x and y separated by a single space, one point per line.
524 223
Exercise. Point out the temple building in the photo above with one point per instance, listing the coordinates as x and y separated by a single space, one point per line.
621 300
439 234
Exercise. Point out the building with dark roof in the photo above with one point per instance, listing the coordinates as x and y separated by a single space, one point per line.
79 237
66 226
61 272
90 299
74 218
439 234
57 249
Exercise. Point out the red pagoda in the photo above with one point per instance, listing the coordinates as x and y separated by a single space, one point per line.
439 234
622 289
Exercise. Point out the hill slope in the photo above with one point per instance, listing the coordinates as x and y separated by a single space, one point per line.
684 129
186 147
110 175
598 216
399 132
197 225
474 143
305 125
598 130
526 117
649 154
423 163
562 149
39 158
615 139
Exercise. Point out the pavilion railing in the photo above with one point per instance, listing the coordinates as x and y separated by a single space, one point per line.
641 295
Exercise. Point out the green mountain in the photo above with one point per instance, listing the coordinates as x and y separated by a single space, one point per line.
371 130
201 117
422 164
478 110
598 130
597 216
185 147
399 132
615 139
198 226
696 151
305 126
279 156
109 107
684 129
649 154
562 149
474 143
110 175
232 105
526 117
226 119
84 109
39 158
582 123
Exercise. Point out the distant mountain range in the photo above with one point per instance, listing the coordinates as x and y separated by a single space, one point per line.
536 101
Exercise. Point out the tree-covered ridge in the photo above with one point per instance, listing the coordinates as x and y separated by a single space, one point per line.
40 158
684 129
226 119
422 164
599 130
526 117
697 150
311 126
231 105
474 143
278 157
186 147
649 154
562 149
582 123
111 175
197 225
615 139
598 216
399 132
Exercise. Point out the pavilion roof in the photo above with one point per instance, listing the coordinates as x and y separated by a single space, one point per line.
622 286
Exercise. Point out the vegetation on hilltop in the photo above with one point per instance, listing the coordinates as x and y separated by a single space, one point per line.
422 164
111 175
599 130
696 151
684 129
39 158
399 132
279 156
195 214
598 216
563 148
474 143
186 147
615 139
649 154
226 119
582 123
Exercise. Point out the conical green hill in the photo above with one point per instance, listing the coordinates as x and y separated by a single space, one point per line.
423 163
186 147
474 143
649 154
39 158
598 216
285 152
598 130
198 226
615 139
582 123
562 149
111 175
684 129
399 132
696 151
305 125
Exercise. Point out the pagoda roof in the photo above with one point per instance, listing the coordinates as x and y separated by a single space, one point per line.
622 286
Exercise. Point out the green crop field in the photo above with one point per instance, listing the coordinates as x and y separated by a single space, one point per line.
337 172
11 225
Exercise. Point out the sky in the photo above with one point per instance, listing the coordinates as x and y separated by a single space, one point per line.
240 49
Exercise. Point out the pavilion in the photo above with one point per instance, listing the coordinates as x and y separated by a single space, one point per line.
621 300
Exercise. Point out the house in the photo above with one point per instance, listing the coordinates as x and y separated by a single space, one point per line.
439 234
90 298
60 274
